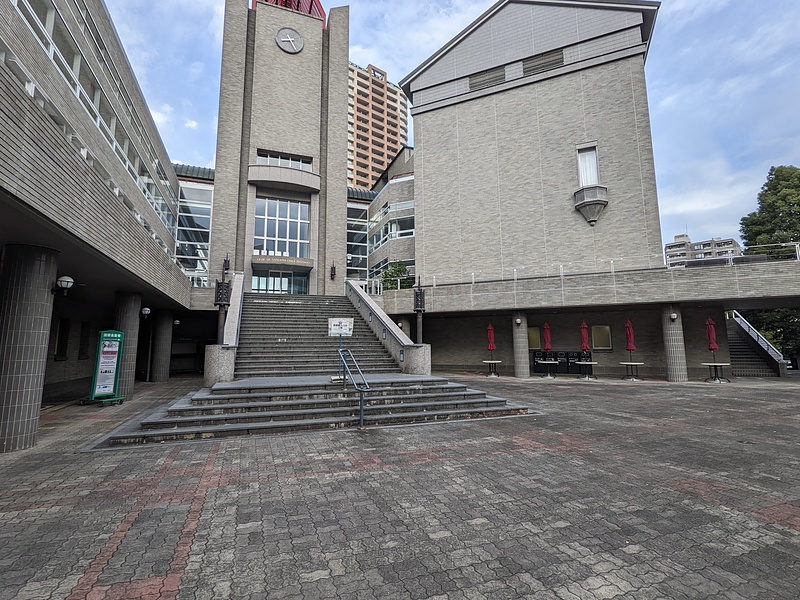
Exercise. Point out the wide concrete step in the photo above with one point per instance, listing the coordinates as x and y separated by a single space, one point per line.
479 403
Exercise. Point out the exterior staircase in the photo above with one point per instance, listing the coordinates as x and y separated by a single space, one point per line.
289 404
288 335
746 361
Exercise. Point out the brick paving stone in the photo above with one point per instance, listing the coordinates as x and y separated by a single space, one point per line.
610 490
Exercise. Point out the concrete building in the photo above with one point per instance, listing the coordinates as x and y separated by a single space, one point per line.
280 208
680 251
377 124
532 144
88 196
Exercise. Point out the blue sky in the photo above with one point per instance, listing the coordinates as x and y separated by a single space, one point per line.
723 82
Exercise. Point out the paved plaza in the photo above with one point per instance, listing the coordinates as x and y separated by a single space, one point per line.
607 489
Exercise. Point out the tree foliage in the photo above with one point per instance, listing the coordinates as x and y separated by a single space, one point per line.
776 221
392 273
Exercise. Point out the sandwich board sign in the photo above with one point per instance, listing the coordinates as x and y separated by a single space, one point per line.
105 383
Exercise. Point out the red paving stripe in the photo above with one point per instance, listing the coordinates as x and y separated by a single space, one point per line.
180 557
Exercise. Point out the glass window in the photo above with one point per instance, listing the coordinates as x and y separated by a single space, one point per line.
534 338
587 167
601 337
284 230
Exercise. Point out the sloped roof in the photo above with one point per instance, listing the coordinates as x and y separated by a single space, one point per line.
649 9
190 172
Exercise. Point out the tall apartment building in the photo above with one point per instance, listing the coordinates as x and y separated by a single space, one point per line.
377 124
683 249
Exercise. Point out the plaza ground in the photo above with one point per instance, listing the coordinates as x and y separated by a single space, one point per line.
607 489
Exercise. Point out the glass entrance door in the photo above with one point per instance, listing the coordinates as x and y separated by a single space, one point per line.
281 282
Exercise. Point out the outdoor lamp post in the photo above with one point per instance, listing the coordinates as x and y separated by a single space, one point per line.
222 298
419 307
65 282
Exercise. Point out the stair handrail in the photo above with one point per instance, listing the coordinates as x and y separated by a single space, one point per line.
348 374
755 334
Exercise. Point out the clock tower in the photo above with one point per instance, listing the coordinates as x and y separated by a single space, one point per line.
280 192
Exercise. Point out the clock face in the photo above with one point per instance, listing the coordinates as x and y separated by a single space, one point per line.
289 40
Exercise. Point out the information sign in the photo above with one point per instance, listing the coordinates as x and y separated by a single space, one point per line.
106 372
340 327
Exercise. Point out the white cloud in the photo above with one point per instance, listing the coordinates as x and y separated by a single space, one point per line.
162 116
190 124
677 13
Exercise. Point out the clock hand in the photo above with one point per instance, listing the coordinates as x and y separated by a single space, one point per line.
290 39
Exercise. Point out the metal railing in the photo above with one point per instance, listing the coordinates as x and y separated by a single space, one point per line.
347 373
755 334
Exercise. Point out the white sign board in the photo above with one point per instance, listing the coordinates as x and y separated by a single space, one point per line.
337 327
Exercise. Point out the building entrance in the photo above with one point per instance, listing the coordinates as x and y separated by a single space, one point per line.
281 282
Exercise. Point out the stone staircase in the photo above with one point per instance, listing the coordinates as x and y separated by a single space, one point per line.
745 360
288 335
271 405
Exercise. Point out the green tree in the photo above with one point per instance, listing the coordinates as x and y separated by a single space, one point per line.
392 273
776 221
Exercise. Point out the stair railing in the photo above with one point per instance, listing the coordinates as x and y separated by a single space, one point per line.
361 386
755 334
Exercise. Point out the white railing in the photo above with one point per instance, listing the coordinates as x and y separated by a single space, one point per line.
755 334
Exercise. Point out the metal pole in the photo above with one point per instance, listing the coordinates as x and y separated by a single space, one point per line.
150 350
361 409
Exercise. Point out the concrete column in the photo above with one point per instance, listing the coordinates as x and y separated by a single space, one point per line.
674 348
127 306
162 346
522 362
27 275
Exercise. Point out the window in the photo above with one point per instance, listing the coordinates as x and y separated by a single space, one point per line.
62 339
83 344
534 338
587 167
282 228
601 337
283 160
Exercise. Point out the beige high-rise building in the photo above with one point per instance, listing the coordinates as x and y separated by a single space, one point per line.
377 124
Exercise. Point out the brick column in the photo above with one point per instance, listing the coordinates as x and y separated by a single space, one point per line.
674 348
162 346
126 319
27 275
522 362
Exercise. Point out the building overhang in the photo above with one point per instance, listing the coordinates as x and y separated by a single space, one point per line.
754 285
283 178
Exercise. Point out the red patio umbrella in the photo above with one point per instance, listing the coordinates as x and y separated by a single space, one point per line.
490 333
629 345
711 334
585 337
547 345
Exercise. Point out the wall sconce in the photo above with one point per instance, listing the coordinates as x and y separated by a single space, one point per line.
400 324
145 312
383 334
673 317
518 322
333 271
63 283
176 322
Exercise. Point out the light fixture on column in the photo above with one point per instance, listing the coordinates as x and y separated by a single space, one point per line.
518 322
145 312
333 270
64 282
673 317
176 322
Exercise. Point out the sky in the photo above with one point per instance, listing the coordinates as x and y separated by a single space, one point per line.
723 80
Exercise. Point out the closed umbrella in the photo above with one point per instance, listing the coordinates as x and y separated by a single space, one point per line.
547 345
711 334
492 346
629 345
585 337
